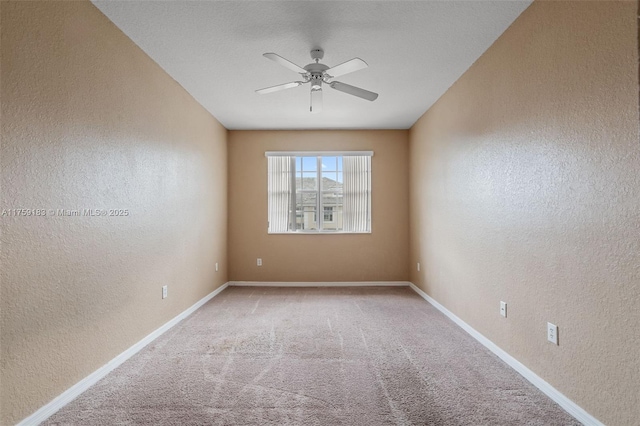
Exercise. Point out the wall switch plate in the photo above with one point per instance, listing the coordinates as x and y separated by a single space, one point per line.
503 309
216 266
418 266
259 262
164 291
552 333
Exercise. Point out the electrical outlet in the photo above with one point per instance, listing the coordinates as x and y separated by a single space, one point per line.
418 266
259 262
164 291
503 309
216 266
552 333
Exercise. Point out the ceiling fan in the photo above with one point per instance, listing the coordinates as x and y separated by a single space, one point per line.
316 74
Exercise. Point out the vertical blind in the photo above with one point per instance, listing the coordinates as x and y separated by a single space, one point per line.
357 193
279 189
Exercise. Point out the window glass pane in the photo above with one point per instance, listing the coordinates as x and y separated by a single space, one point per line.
309 164
339 164
332 211
329 164
328 214
340 178
298 162
330 182
309 182
306 217
329 175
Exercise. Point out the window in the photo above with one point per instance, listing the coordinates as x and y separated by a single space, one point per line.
328 214
315 192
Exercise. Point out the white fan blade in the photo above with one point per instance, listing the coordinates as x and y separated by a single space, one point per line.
316 101
353 90
279 87
285 63
351 65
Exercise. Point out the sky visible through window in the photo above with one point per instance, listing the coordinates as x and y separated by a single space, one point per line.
307 167
332 168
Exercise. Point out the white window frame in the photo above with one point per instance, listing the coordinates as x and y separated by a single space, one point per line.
319 211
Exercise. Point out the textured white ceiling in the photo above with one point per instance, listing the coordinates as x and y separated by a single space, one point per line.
415 50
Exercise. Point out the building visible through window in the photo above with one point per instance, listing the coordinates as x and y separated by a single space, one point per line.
328 214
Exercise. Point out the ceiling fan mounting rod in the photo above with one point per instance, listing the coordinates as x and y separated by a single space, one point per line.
317 54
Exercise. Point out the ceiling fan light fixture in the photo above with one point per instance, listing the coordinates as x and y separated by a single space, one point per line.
316 100
316 84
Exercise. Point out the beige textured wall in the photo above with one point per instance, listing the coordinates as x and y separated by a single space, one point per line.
379 256
525 187
89 121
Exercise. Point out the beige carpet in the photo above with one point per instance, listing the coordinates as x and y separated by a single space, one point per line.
314 356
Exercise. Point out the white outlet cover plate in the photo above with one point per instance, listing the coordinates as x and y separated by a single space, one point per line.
552 333
503 309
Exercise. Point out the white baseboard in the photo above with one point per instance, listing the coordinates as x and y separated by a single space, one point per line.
320 284
569 406
74 391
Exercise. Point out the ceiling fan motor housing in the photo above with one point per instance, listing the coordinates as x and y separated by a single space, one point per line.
316 72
